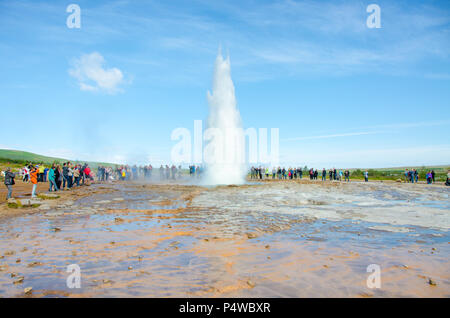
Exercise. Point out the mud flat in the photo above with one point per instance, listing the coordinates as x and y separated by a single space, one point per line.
275 239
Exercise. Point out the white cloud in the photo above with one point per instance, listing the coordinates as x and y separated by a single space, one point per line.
92 75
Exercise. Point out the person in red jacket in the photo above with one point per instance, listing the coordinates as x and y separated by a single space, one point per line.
87 172
34 179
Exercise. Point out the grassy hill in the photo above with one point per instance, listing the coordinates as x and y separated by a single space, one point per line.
16 158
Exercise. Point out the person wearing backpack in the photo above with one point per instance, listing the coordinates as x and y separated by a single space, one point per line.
9 182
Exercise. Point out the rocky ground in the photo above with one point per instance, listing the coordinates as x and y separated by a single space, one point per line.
269 239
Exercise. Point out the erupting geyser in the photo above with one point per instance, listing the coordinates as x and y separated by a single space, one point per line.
225 159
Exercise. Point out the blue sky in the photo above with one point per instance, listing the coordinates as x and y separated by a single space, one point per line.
341 94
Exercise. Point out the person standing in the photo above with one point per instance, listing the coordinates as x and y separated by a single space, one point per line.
76 175
34 178
9 182
174 171
429 177
26 174
433 174
87 174
69 175
52 179
107 173
45 174
366 176
41 173
65 172
58 176
347 175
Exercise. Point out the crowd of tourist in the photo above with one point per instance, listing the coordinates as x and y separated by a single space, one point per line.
281 173
59 177
71 175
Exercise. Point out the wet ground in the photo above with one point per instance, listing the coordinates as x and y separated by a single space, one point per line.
275 239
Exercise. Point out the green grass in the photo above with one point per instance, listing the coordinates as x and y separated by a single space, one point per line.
17 159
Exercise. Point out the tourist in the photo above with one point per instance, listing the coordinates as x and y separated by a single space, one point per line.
87 172
324 175
347 175
69 175
366 176
447 183
167 172
58 176
331 174
108 172
99 173
9 182
34 178
433 174
76 175
26 174
52 179
45 174
174 172
274 172
65 172
41 173
429 177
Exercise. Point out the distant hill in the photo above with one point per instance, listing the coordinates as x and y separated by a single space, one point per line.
23 157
